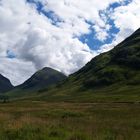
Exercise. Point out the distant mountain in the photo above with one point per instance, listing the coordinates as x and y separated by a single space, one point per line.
111 75
43 79
5 84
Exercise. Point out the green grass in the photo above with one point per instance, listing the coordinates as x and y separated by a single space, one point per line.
115 93
38 120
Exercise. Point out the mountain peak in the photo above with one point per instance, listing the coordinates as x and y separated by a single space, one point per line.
43 79
47 68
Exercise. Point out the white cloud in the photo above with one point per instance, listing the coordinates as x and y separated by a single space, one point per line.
16 70
37 42
101 33
127 19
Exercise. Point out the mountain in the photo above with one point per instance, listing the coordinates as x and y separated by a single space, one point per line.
5 84
114 75
120 65
43 79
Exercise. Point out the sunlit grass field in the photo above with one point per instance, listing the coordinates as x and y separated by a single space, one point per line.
40 120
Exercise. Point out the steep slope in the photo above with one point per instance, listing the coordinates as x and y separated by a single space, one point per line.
120 65
5 84
114 74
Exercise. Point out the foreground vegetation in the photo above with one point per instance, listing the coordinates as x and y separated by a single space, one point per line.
38 120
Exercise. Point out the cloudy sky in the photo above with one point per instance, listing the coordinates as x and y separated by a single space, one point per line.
61 34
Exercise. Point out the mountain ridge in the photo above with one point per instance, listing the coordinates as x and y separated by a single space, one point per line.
123 55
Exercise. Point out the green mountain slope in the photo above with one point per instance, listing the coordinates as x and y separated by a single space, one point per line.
41 79
5 84
120 65
114 75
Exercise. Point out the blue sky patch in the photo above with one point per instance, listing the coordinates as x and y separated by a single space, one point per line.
10 54
49 14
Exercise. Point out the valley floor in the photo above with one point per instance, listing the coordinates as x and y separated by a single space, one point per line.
38 120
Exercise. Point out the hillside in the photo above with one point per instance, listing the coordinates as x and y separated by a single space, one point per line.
5 84
114 75
43 78
120 65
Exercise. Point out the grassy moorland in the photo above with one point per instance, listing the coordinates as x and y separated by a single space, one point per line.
38 120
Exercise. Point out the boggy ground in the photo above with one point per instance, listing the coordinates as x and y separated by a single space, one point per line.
38 120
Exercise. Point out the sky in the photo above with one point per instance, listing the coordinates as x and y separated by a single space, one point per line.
61 34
